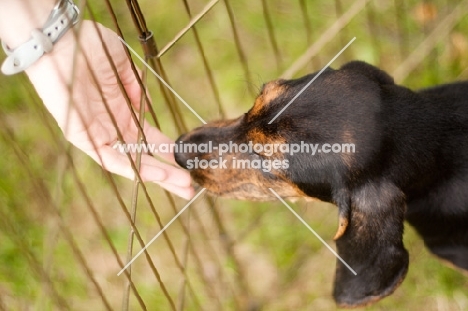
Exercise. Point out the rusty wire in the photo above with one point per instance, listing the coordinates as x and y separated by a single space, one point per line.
237 292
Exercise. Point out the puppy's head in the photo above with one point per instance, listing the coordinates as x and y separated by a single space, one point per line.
337 108
241 158
332 122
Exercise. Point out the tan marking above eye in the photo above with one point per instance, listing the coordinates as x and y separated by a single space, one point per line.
258 105
270 91
257 136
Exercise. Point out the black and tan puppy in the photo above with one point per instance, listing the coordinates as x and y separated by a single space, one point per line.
410 160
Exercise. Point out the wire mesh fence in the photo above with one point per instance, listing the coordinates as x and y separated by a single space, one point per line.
67 227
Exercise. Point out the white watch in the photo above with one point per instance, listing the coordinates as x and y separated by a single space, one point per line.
62 17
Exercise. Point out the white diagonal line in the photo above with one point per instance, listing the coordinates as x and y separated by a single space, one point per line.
312 230
162 80
160 232
195 20
313 79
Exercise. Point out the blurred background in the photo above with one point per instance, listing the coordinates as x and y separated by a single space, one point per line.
65 224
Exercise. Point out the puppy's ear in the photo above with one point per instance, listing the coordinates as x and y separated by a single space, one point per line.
373 73
372 246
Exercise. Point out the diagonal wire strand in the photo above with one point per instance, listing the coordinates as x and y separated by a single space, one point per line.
155 64
184 30
206 65
311 81
134 200
271 34
313 231
180 125
161 231
88 202
239 49
146 193
327 36
43 195
152 207
425 47
132 163
162 80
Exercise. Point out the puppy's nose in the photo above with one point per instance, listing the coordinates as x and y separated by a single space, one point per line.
180 156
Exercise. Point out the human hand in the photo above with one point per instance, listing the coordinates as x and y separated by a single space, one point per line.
82 115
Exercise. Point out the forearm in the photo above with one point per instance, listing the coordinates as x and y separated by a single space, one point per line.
19 17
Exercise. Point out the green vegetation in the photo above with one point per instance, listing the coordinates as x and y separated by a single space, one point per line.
285 267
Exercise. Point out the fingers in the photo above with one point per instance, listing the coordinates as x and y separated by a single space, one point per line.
158 143
131 85
183 192
129 80
173 175
175 180
171 178
155 136
127 76
121 63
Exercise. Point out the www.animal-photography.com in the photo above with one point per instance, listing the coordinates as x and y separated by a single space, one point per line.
234 155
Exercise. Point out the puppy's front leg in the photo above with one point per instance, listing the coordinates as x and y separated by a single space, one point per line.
372 245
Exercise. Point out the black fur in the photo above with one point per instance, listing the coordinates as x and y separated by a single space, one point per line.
411 161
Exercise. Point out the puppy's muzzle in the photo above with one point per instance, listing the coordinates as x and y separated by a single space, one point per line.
184 153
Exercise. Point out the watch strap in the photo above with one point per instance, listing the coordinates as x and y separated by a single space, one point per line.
63 16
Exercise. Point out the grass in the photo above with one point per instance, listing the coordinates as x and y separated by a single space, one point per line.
285 266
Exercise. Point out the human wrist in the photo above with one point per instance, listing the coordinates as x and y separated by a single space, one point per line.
61 18
19 17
